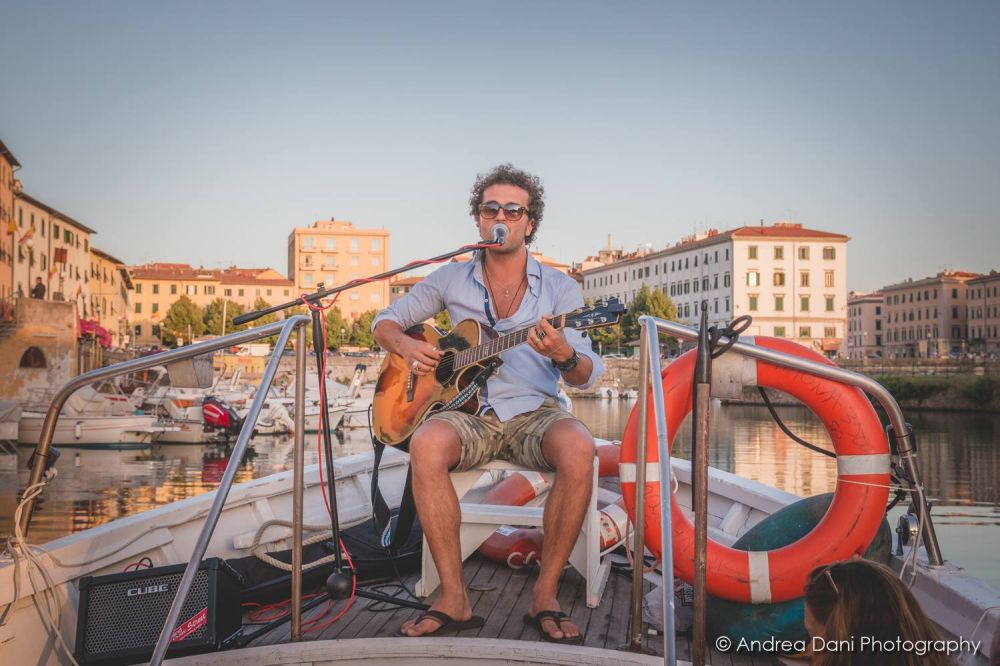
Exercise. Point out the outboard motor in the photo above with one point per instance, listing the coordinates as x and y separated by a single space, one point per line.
220 415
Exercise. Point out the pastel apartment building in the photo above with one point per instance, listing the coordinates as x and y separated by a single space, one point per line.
8 163
864 325
927 318
335 252
160 285
983 313
791 280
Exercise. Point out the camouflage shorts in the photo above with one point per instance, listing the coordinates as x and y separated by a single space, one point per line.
519 440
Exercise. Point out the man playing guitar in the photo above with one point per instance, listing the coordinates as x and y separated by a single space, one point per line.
519 418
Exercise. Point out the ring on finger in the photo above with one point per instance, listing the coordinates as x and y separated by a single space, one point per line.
415 366
540 334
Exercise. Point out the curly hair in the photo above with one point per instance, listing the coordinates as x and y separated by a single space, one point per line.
508 174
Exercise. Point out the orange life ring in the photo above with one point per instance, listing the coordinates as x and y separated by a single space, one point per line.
848 526
518 547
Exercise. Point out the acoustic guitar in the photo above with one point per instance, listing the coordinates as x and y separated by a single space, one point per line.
471 354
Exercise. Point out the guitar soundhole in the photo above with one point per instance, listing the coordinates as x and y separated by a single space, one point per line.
445 372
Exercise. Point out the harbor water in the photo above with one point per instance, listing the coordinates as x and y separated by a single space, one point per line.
959 456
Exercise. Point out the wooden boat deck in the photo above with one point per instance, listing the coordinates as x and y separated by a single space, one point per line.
502 596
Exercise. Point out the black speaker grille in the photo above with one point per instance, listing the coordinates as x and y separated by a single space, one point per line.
121 622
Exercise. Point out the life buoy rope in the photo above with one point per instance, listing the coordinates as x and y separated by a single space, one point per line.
854 514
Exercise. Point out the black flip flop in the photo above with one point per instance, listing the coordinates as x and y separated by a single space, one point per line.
535 622
447 623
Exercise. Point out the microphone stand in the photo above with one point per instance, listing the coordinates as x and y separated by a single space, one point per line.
341 582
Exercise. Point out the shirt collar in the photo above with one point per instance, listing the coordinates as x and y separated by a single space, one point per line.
534 270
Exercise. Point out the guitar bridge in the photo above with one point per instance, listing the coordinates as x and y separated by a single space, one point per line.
411 386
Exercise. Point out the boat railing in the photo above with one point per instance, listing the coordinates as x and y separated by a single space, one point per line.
650 371
284 330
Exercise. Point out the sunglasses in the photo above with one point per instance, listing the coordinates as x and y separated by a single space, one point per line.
511 211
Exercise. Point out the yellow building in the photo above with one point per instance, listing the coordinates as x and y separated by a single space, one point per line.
110 295
332 253
55 247
7 165
159 285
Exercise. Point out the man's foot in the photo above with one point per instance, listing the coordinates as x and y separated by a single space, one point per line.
426 624
552 624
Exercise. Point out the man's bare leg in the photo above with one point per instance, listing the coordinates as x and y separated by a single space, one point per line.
434 449
569 447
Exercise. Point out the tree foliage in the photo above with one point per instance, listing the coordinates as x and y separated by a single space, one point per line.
443 320
183 320
335 323
213 317
361 330
653 303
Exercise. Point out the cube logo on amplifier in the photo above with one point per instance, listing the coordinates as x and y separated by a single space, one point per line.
121 615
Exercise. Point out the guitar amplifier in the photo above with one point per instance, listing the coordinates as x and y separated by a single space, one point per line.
121 615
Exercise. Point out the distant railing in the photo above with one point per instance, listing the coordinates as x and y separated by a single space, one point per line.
921 366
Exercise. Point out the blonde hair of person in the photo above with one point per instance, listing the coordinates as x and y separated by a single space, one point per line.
849 601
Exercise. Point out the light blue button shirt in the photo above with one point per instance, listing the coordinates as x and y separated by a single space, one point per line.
526 377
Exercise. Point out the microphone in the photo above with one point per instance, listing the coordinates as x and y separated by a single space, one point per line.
500 232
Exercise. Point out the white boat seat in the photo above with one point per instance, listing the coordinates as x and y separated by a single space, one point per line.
479 521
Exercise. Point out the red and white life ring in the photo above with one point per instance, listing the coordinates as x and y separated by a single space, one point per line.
518 547
848 526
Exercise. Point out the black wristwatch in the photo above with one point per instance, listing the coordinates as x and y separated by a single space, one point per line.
568 364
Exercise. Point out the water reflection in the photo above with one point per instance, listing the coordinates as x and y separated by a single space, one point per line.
959 456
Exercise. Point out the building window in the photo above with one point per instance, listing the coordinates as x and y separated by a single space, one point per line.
779 279
330 244
355 245
227 292
804 304
727 304
779 303
240 292
155 330
829 252
355 296
286 292
779 331
156 288
307 280
307 243
753 303
753 278
830 332
725 280
752 252
138 287
269 291
804 253
33 358
828 278
829 304
374 298
156 307
138 308
779 251
804 279
173 290
805 332
954 313
376 245
138 330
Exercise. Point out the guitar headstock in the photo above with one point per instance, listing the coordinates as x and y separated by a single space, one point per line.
602 313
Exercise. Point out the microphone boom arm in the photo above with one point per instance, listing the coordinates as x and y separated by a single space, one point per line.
312 298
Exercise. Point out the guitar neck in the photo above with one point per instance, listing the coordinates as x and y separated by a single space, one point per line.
499 345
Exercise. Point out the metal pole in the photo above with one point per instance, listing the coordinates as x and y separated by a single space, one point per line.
639 546
41 454
201 545
866 384
666 494
298 480
699 484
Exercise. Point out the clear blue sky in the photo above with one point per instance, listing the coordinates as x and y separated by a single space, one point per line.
203 132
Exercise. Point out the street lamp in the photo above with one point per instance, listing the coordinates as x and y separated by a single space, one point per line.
343 332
